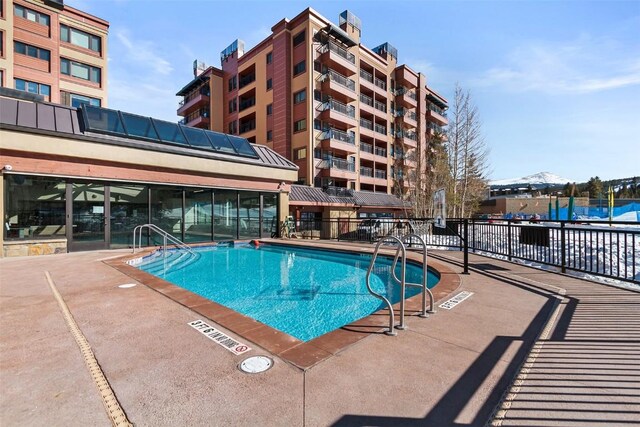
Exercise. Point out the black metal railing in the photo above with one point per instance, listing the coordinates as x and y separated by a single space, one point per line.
598 249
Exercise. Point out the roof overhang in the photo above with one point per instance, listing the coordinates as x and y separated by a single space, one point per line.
340 35
192 85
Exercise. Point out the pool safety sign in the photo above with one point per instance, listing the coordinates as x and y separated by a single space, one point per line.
452 302
219 337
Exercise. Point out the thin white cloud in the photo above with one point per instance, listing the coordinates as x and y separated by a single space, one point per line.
585 65
143 52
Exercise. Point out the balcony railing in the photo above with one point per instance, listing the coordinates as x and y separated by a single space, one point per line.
401 90
340 79
203 112
366 123
380 152
435 127
366 75
412 115
365 171
381 174
437 109
335 163
367 148
330 46
380 83
246 80
339 107
407 134
202 91
248 126
366 99
246 103
380 129
380 106
339 135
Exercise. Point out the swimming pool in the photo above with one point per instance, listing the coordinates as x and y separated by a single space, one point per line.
302 292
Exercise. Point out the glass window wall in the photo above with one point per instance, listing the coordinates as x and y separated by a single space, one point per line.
269 215
129 208
225 214
249 215
34 207
198 218
166 211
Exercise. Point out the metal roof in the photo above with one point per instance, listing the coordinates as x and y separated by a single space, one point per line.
303 193
62 121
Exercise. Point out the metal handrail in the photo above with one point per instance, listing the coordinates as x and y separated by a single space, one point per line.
425 289
166 237
402 248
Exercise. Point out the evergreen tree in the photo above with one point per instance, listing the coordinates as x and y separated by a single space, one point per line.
594 187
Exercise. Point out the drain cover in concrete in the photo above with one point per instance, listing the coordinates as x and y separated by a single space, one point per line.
127 285
255 364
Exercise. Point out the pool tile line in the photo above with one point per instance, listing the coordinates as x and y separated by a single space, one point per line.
303 355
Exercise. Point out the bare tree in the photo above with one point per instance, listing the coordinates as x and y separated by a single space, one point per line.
467 156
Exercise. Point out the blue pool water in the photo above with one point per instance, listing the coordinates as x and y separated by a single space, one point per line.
302 292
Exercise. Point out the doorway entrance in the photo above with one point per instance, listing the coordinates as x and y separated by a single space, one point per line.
87 216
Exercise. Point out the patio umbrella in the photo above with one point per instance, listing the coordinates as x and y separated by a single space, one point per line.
571 202
610 200
557 208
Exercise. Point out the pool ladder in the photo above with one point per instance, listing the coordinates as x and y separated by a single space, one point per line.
166 237
401 254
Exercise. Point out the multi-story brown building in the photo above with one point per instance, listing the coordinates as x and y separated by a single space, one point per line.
347 115
53 50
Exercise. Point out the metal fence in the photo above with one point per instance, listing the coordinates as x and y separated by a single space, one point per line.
601 249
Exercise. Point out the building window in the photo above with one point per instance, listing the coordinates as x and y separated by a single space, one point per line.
269 109
299 67
300 96
80 70
317 95
269 57
233 105
300 125
31 15
32 51
233 127
80 38
300 153
298 38
269 135
317 124
233 83
33 87
1 43
76 101
269 84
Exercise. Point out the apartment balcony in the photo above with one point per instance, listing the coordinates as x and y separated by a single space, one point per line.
380 129
338 86
333 167
438 115
406 97
380 154
366 104
247 126
409 139
338 113
366 151
406 78
194 101
408 117
245 81
366 128
338 58
367 80
338 141
198 119
435 128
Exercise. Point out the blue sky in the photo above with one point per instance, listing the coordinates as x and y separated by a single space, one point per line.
557 84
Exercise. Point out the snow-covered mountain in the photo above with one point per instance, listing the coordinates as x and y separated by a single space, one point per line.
538 178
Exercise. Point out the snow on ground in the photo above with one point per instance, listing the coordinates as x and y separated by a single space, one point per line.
591 250
538 178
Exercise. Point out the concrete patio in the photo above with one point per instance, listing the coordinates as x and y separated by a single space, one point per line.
529 347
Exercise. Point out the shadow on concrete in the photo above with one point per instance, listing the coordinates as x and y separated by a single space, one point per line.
450 406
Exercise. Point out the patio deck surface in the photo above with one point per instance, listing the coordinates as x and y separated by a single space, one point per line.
579 342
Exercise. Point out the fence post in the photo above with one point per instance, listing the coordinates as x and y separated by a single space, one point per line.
563 254
509 239
466 246
473 235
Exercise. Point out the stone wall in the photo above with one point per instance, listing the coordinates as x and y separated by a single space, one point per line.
34 247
